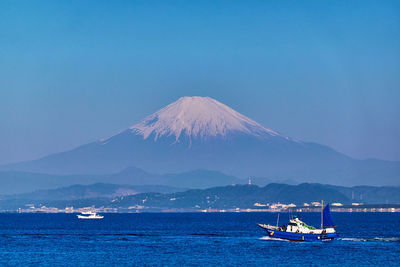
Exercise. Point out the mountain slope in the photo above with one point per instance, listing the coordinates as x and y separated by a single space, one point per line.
198 117
98 190
201 133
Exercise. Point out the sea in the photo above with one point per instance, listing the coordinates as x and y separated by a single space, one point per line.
193 239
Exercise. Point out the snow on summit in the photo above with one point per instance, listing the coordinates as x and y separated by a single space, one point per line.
198 117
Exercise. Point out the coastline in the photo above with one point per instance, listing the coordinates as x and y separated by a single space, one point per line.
367 208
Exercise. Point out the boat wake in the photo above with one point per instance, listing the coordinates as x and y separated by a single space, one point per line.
268 238
349 239
374 239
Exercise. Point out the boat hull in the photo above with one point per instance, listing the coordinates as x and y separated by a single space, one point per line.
301 237
89 218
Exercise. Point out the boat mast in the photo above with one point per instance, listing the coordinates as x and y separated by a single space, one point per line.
277 221
322 218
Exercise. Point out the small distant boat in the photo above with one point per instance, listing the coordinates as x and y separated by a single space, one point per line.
297 230
91 215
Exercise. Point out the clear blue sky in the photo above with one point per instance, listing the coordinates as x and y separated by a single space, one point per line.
72 72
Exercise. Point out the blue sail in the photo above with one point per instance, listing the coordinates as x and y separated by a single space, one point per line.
328 221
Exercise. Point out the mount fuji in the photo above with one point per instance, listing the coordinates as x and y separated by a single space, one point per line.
202 133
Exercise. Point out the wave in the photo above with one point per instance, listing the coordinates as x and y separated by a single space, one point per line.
373 239
268 238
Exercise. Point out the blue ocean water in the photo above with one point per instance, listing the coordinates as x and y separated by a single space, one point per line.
171 239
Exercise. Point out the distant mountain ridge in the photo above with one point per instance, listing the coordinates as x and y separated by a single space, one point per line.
226 197
237 196
202 133
12 182
98 190
245 196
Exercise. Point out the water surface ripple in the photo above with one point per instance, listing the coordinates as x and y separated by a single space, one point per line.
170 239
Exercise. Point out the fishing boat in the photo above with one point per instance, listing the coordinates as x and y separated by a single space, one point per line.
297 230
90 215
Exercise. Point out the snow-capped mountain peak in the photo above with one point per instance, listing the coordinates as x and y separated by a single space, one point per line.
198 117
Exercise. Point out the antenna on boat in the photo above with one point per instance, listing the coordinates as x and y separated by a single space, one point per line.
322 217
277 221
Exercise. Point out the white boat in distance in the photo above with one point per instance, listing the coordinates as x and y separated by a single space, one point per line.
91 215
